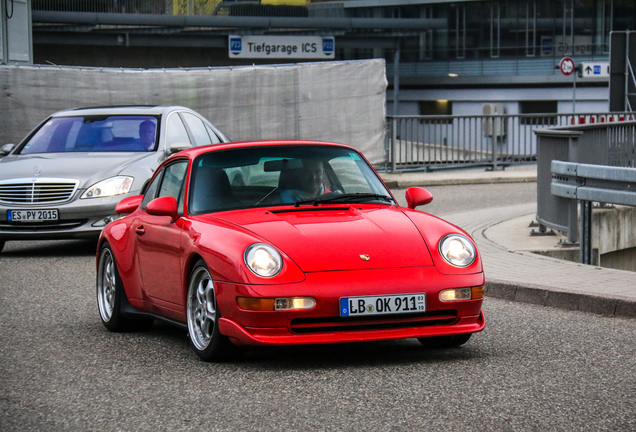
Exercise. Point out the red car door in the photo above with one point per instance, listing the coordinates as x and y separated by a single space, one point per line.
160 240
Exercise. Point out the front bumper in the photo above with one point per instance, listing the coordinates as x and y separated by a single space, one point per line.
282 336
323 323
78 219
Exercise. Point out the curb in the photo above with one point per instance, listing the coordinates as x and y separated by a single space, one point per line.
535 294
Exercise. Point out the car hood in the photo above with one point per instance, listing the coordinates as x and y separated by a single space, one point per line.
339 238
85 167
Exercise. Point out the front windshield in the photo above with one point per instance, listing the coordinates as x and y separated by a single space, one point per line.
283 175
115 133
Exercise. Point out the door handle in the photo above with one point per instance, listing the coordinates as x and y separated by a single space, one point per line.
140 230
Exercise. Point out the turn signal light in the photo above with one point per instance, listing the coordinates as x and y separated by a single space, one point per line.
275 304
478 292
255 304
458 294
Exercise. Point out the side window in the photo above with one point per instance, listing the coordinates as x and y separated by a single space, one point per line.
169 182
197 128
173 182
175 130
213 136
151 191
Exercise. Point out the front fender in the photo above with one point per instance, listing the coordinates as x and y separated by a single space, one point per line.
433 229
222 246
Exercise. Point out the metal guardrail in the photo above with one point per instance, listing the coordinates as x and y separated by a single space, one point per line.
611 144
587 183
598 183
438 142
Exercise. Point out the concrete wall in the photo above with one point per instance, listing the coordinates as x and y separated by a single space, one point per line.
614 237
613 240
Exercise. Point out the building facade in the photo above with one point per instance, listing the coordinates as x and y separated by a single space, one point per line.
442 57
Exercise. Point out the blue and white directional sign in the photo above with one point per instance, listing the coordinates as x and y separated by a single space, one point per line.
282 47
595 69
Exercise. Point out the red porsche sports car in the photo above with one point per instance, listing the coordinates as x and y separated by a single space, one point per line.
285 242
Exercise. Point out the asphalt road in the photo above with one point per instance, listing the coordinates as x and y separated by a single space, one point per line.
458 199
533 368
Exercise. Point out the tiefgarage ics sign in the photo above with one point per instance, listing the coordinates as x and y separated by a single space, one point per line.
281 47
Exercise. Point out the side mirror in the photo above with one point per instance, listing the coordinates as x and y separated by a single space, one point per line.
163 206
129 205
178 146
6 149
416 196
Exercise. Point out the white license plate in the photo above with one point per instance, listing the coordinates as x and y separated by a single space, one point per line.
380 305
32 215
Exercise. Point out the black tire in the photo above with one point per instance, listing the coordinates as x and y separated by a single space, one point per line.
2 242
203 317
445 341
110 296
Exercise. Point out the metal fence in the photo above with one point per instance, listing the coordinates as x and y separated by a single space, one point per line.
439 142
609 144
106 6
175 7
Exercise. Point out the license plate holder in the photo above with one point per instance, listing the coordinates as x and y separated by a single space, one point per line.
382 304
39 215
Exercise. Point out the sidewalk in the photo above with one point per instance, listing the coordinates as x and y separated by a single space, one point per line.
513 270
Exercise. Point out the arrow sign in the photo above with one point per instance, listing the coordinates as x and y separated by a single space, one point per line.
595 69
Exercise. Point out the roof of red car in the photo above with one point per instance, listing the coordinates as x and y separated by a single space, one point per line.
196 151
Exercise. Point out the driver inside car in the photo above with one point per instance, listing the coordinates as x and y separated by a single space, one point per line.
307 182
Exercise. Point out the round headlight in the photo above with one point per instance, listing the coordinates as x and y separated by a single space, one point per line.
263 260
457 250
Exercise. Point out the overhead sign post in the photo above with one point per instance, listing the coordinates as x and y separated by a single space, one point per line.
281 47
567 67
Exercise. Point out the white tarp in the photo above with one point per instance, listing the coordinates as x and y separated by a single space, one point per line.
328 101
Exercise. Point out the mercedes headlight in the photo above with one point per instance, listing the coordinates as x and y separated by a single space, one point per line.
457 250
263 260
110 187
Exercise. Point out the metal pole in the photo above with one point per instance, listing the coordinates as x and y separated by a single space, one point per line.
627 105
586 232
396 78
393 144
494 143
396 101
574 92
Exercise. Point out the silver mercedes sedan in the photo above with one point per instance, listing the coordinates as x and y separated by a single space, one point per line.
65 178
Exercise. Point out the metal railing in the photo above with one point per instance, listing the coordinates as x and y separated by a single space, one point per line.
174 7
439 142
106 6
587 183
609 144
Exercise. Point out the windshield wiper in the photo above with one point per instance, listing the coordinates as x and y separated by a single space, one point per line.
350 197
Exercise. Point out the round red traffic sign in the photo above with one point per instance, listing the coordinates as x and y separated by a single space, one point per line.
567 66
